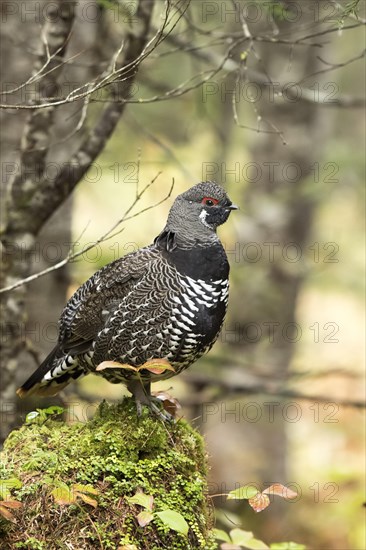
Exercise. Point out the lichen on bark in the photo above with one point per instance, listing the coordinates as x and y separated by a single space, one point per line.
118 454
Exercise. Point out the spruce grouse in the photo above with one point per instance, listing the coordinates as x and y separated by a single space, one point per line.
165 301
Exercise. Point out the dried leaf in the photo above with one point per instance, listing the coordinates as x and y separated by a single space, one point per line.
259 502
6 514
85 489
158 369
114 365
170 404
87 499
157 366
14 504
144 518
63 496
128 547
281 491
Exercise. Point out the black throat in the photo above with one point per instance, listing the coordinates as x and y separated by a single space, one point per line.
200 262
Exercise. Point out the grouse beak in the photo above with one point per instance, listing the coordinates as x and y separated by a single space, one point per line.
232 207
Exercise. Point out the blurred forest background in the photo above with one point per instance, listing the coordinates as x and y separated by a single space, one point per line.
264 97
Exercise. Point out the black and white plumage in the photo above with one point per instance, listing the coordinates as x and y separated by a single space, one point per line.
165 301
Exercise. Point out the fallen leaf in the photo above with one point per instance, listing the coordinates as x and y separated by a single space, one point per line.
156 366
170 404
6 514
85 489
87 499
12 504
144 518
114 365
63 496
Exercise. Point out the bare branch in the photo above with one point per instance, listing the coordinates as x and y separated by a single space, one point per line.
274 130
107 236
244 24
125 70
40 73
350 11
230 65
333 66
47 195
228 388
118 75
142 128
325 32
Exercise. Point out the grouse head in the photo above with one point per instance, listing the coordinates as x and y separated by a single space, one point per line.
197 213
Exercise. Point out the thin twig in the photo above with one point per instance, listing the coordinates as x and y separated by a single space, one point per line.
142 128
244 388
275 130
332 67
107 236
113 75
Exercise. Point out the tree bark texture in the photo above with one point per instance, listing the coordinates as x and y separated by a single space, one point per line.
33 194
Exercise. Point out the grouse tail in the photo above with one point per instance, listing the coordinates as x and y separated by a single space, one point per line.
53 374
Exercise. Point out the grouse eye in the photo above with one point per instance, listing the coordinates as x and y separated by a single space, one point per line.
209 201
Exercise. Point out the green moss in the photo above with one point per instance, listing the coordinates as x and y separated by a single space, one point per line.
116 453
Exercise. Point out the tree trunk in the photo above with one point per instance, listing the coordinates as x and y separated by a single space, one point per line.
280 210
19 245
34 194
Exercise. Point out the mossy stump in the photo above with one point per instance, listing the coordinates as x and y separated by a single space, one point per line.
116 455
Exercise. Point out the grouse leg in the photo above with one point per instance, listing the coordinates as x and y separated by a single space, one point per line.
141 392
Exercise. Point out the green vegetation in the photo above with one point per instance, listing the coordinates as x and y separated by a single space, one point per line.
94 484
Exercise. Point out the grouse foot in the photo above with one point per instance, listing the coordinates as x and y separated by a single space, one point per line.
141 392
140 387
